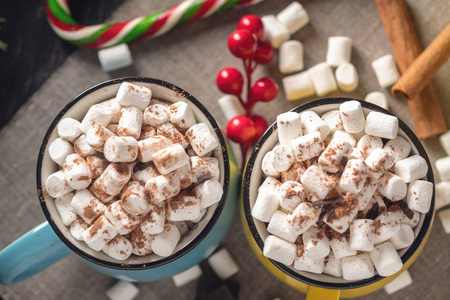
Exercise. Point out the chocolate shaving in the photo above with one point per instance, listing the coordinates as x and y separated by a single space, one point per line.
333 200
330 215
373 212
406 210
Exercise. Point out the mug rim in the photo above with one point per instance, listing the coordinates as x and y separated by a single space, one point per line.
194 242
251 223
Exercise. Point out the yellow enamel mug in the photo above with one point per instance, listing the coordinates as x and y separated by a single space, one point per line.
322 286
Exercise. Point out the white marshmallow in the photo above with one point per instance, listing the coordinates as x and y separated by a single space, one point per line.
444 215
357 267
303 262
97 135
82 147
223 264
200 216
155 115
356 154
266 204
385 226
147 131
201 139
339 51
307 146
87 206
97 165
118 248
290 57
187 276
398 148
99 233
183 175
347 77
77 172
113 106
182 227
96 114
231 106
282 158
274 31
122 290
419 196
183 207
278 226
377 98
316 244
368 143
444 140
333 120
365 195
153 222
298 86
181 116
344 135
443 168
57 185
385 71
150 146
279 250
386 259
354 176
361 235
121 219
403 238
170 159
340 223
302 218
164 243
411 168
142 175
65 209
340 245
291 195
392 187
323 79
77 228
293 16
352 116
141 242
162 188
112 181
294 173
208 192
400 282
133 95
69 129
130 122
318 182
134 198
204 168
381 125
442 195
311 122
59 149
332 156
378 162
270 183
332 266
267 166
116 57
289 127
121 149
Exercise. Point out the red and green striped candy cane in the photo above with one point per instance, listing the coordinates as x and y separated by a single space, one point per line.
153 25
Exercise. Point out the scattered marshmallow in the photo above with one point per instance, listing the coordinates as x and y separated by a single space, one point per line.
400 282
340 245
114 58
231 106
385 71
386 225
147 131
290 57
316 244
347 77
419 196
119 248
271 183
266 204
267 166
294 17
311 122
278 227
302 218
121 149
82 147
354 176
298 86
65 209
442 195
386 259
162 187
443 168
294 173
361 235
208 192
76 171
223 264
333 154
69 129
134 198
381 125
153 222
112 181
148 147
411 168
143 175
377 98
99 233
366 193
398 148
181 116
368 143
122 290
292 193
444 140
392 187
96 115
357 267
204 168
378 162
282 158
141 242
201 139
164 244
134 95
344 135
356 154
97 135
130 122
113 106
59 149
339 51
323 79
279 250
333 120
87 206
307 146
289 127
274 31
187 276
303 262
332 266
155 115
183 207
77 228
403 238
56 185
121 219
170 159
183 175
317 181
352 116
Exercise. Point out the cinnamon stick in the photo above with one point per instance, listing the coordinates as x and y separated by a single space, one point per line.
425 108
422 70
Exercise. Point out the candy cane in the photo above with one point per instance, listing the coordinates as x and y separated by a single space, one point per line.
153 25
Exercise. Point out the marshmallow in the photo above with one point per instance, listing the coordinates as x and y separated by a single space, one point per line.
279 250
153 222
162 188
274 31
289 127
119 248
147 131
444 140
331 157
122 290
183 207
352 116
146 172
77 172
267 166
347 77
77 228
293 17
385 226
378 162
333 120
361 235
378 200
442 195
187 276
96 115
141 242
97 165
366 193
298 86
343 213
164 243
291 57
382 125
411 168
133 95
165 103
113 106
400 282
87 206
150 146
114 58
322 78
339 51
340 245
419 196
291 195
377 98
294 173
231 106
403 238
282 158
302 218
266 204
134 198
208 192
201 139
182 227
344 135
357 267
130 122
69 129
316 244
56 185
97 135
112 181
443 168
121 149
317 181
59 149
170 159
204 168
271 183
82 147
303 262
99 233
121 219
311 122
356 154
223 264
183 175
354 176
368 143
65 209
398 148
332 266
307 146
155 115
392 187
277 226
181 116
386 259
444 215
200 216
385 70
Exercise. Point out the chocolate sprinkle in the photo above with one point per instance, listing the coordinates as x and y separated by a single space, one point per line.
373 212
406 210
336 199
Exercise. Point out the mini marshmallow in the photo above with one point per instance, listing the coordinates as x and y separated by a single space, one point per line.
121 219
96 114
183 175
231 106
304 263
200 216
403 238
307 146
366 193
377 98
147 131
77 172
141 242
378 162
266 204
400 282
317 181
87 206
277 226
146 173
57 185
386 259
99 233
352 116
323 79
354 176
291 195
97 165
201 139
368 143
344 135
183 207
332 266
443 168
376 199
398 148
340 245
162 187
271 183
170 159
267 166
121 149
347 77
289 127
155 115
130 122
361 235
311 122
290 57
357 267
302 218
293 17
77 228
411 168
164 244
112 181
442 195
444 140
114 58
282 158
133 95
340 223
392 187
65 209
153 222
339 51
69 129
97 135
294 173
59 149
182 227
208 192
113 106
134 198
333 120
119 248
274 31
381 125
223 264
356 154
332 156
187 276
150 146
181 116
279 250
122 290
316 244
386 225
298 86
82 147
419 196
385 70
204 168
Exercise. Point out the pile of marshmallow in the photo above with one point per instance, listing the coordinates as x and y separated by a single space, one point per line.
342 193
134 174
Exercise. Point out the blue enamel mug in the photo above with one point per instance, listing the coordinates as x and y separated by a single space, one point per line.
51 241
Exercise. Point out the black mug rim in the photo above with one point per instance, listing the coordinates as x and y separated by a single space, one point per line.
192 244
257 238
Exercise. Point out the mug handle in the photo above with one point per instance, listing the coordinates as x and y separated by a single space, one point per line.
31 253
317 293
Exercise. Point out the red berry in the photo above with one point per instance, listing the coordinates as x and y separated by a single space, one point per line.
242 43
240 129
260 125
264 52
253 24
230 81
265 89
